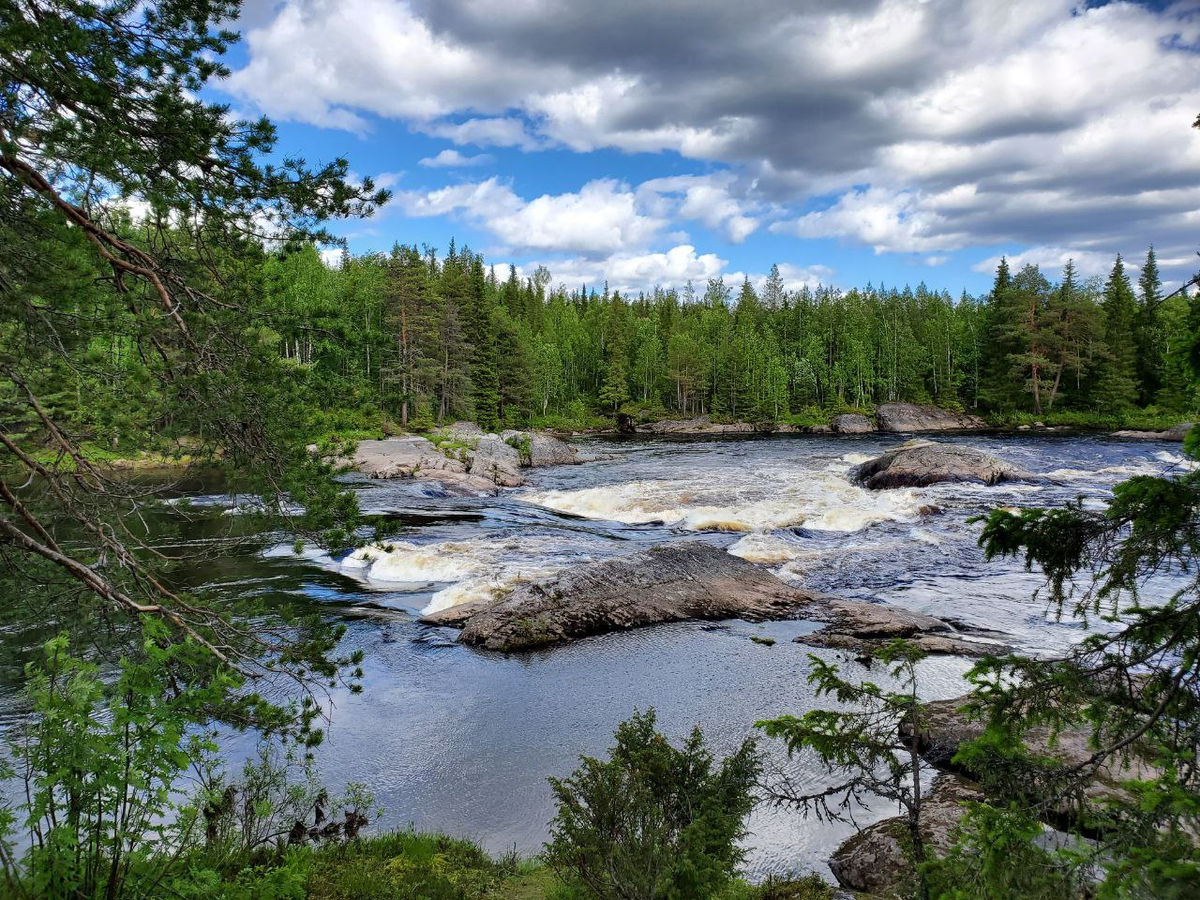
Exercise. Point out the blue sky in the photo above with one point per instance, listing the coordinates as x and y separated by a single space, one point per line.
887 141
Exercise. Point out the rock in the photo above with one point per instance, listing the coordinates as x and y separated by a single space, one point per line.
876 862
944 727
818 429
497 461
861 627
416 457
928 462
852 423
700 425
1175 433
545 450
668 583
906 418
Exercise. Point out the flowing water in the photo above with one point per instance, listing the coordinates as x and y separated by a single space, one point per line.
455 739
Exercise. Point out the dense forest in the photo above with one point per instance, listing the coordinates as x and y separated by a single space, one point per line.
412 338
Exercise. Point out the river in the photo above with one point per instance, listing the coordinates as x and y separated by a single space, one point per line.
459 740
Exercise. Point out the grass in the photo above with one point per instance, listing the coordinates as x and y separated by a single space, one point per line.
412 865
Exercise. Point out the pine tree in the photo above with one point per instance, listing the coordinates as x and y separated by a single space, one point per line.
1118 383
485 385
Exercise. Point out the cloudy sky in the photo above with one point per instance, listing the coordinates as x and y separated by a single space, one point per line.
888 141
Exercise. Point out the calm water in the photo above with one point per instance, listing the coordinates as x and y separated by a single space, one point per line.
459 740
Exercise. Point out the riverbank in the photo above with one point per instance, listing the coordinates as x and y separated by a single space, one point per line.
422 866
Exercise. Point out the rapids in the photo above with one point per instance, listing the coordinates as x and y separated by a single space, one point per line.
454 739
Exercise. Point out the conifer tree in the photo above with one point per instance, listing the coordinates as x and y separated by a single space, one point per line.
1151 348
1118 384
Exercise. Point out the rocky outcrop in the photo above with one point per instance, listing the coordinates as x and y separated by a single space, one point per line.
497 461
851 423
945 727
927 462
861 627
674 582
908 418
876 860
668 583
699 425
1176 433
416 457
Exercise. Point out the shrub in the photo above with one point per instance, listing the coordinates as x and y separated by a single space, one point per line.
654 821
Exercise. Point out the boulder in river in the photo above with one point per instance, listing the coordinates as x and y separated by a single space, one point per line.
668 583
907 418
876 860
672 583
851 423
497 461
1175 433
928 462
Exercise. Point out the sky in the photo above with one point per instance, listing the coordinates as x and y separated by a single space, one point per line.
649 142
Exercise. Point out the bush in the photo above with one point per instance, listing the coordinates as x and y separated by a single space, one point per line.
653 821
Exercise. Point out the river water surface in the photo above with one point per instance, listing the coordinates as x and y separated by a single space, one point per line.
459 740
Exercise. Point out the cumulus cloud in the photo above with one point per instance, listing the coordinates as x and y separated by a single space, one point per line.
453 159
601 218
632 272
927 127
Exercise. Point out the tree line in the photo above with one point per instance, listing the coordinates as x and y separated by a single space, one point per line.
424 339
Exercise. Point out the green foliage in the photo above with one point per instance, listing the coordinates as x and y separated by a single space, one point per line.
653 821
862 744
995 855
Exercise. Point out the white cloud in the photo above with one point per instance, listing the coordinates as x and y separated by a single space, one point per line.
633 272
601 218
452 159
705 198
888 221
933 126
1052 259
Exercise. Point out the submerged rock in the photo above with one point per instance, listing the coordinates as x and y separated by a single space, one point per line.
905 418
876 860
1175 433
668 583
928 462
497 461
851 423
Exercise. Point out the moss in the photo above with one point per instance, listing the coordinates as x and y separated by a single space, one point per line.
523 444
765 641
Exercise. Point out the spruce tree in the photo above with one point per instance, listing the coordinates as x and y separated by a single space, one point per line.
1118 382
1150 338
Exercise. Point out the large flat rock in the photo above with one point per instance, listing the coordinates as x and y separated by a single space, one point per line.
907 418
416 457
928 462
676 582
668 583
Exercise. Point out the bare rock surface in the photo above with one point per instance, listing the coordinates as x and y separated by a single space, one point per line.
672 583
851 423
415 457
668 583
497 461
905 418
875 860
928 462
1176 433
860 627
